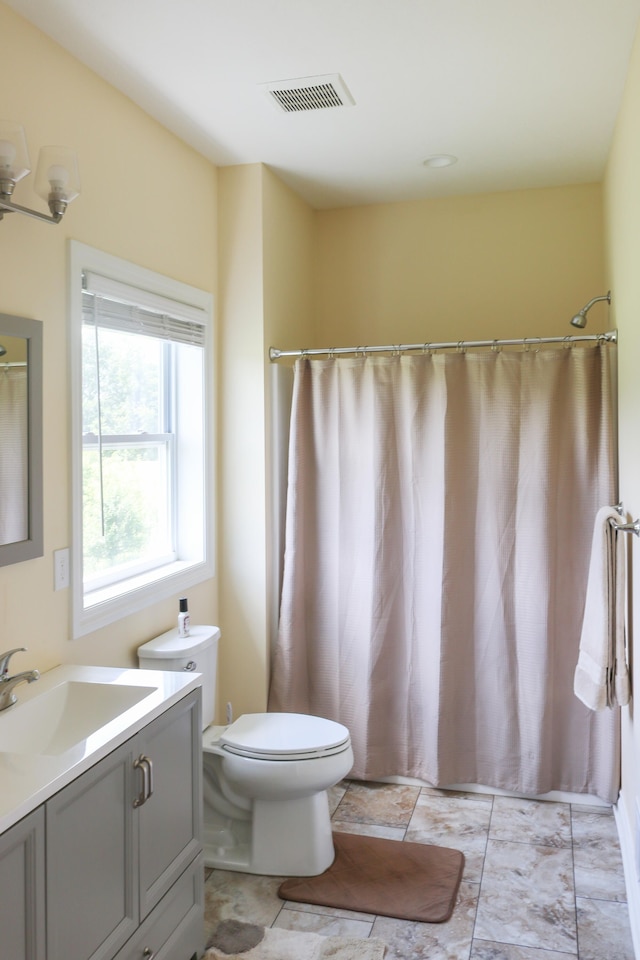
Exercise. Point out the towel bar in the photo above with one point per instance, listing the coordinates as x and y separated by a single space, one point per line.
633 527
627 527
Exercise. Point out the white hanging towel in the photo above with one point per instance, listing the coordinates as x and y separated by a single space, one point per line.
602 678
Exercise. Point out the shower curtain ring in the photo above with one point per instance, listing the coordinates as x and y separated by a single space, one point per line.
495 347
332 351
460 348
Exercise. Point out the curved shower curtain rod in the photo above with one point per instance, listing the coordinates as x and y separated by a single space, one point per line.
275 354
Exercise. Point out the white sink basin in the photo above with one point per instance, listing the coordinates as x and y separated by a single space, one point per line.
59 718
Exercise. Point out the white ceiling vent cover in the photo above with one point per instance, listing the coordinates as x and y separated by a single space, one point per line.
309 93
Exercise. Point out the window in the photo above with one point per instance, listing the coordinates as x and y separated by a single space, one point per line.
142 361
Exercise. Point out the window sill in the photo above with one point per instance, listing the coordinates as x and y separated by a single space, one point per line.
109 604
122 587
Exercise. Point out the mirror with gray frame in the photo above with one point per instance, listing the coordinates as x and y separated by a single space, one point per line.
20 439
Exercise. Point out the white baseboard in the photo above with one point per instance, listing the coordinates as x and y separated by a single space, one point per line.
625 833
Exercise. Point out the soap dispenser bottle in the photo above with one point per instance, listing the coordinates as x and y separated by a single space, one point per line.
183 618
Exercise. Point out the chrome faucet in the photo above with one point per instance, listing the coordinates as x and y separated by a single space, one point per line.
7 683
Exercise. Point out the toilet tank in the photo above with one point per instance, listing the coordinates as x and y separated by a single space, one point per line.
197 653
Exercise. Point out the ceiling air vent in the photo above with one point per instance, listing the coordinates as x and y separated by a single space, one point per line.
309 93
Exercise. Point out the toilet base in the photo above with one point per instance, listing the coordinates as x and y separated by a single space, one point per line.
286 838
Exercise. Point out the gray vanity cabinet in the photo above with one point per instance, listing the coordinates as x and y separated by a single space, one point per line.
92 893
22 910
124 848
170 822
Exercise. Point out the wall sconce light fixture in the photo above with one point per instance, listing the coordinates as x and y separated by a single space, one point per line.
57 177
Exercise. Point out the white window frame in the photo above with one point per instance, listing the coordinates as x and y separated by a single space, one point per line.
140 591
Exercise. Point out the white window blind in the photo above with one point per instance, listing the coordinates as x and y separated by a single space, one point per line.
118 306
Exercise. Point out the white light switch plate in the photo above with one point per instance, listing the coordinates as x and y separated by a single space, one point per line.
61 569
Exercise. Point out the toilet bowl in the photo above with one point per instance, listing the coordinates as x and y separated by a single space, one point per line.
272 771
265 776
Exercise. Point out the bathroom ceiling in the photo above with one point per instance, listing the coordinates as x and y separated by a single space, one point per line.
524 93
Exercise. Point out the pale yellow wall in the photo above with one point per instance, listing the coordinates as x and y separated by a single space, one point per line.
497 265
289 264
622 212
265 240
146 197
242 544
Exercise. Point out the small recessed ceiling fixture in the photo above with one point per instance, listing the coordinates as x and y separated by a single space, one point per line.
309 93
440 160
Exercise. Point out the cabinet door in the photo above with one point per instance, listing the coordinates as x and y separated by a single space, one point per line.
22 905
170 821
92 894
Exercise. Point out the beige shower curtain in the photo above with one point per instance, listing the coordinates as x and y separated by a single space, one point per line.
439 519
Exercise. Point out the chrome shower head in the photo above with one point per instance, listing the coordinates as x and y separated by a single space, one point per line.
580 319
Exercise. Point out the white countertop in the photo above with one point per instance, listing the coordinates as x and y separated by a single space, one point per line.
27 780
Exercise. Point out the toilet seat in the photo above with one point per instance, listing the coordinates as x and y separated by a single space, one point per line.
284 736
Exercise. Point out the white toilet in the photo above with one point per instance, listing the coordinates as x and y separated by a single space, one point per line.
265 776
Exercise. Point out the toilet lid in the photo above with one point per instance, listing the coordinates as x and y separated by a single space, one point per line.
284 736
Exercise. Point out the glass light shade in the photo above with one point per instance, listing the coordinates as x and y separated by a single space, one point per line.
57 174
14 156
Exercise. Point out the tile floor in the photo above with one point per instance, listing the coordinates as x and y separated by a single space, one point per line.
542 880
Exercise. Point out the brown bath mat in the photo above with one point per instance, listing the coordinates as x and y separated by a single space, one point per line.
390 878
